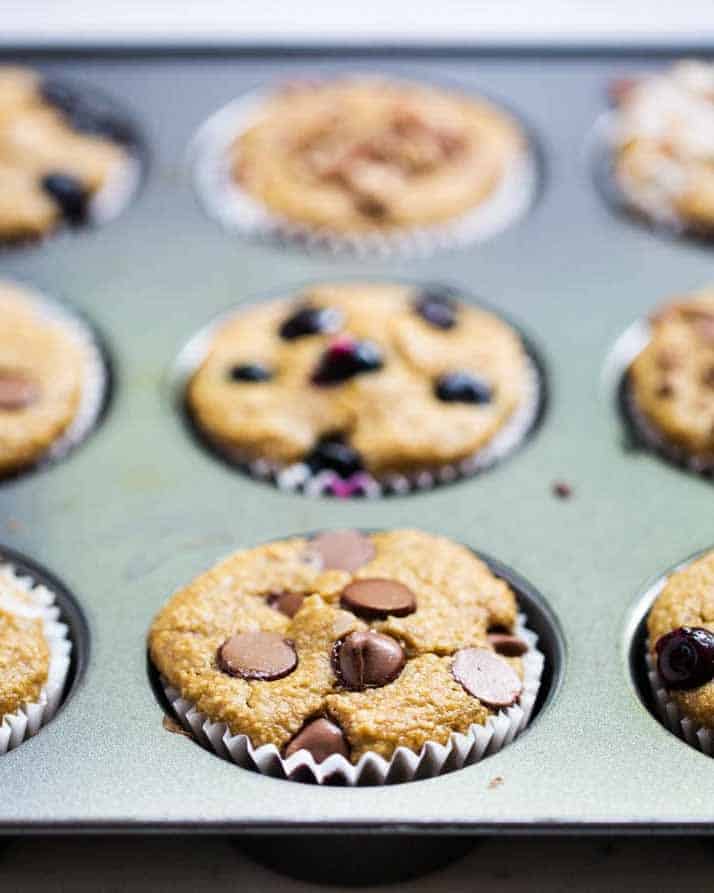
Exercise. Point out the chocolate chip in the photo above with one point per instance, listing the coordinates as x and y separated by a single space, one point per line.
377 597
308 320
288 603
462 387
257 655
507 644
342 550
366 659
69 193
252 372
17 391
487 677
435 305
333 454
321 738
562 490
344 359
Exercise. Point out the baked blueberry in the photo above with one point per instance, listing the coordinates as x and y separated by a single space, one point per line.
685 657
253 372
344 359
308 320
462 387
437 306
333 454
70 195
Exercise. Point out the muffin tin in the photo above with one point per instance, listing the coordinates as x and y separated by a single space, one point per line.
141 509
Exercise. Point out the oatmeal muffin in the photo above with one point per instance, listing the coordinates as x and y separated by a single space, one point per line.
664 145
359 155
54 158
382 377
672 379
47 378
24 652
346 643
681 639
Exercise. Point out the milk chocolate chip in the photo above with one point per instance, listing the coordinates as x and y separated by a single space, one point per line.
321 738
366 659
376 597
288 603
507 644
17 391
487 677
257 655
343 550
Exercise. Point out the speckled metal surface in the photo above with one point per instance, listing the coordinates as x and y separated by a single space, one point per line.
140 508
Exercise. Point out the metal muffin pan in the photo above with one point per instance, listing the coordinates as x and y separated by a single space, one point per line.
140 508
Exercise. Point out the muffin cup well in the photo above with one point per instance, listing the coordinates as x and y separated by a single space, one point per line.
29 719
671 716
223 199
372 769
95 378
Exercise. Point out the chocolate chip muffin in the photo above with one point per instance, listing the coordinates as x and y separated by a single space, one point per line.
357 377
681 640
672 380
366 155
663 133
50 380
55 156
344 644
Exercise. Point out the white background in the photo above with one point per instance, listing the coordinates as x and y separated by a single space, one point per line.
356 21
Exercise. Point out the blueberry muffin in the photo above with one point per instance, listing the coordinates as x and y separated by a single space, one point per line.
672 379
681 639
54 159
345 643
49 377
664 145
359 155
381 377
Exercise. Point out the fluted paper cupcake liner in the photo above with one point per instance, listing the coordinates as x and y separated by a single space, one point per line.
29 719
462 749
671 716
224 200
95 378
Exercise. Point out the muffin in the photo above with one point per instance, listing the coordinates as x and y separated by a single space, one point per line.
356 157
362 381
56 157
672 380
344 644
680 628
663 133
51 380
34 657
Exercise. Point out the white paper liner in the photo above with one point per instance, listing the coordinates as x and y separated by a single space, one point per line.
29 719
118 190
671 716
236 210
94 374
405 765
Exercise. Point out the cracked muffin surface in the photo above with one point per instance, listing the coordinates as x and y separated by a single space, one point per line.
353 659
672 379
401 378
360 155
53 156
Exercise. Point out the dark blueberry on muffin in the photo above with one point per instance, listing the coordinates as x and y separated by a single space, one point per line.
310 321
462 387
